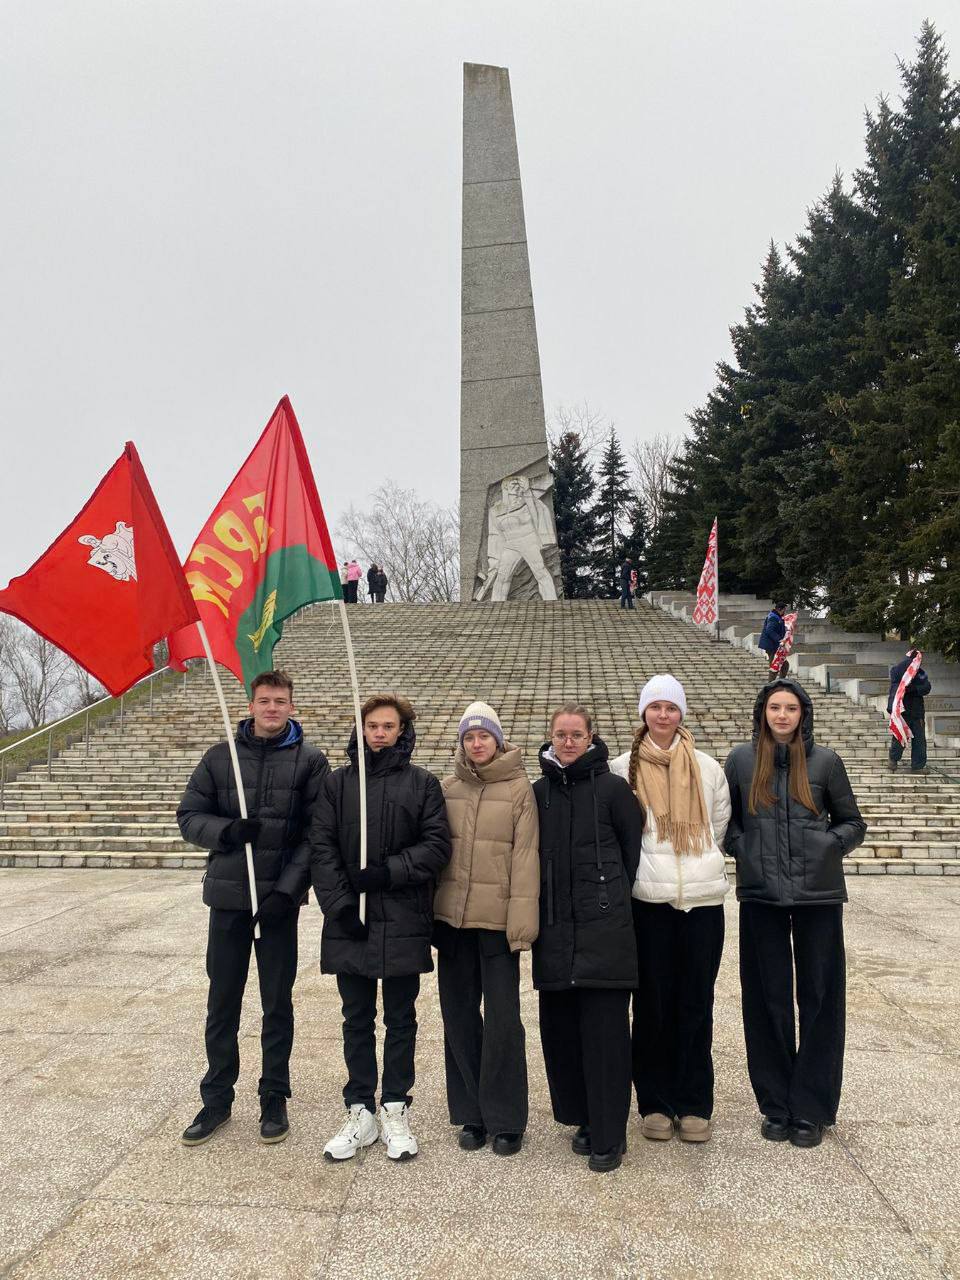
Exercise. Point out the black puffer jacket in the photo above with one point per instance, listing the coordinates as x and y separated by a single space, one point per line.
591 826
282 781
406 829
785 854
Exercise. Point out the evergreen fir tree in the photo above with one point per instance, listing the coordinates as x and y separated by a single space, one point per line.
614 496
573 487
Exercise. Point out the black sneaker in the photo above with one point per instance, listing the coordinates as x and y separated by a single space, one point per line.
507 1144
472 1137
208 1120
580 1142
274 1125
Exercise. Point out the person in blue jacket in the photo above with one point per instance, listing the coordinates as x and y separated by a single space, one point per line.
913 712
774 629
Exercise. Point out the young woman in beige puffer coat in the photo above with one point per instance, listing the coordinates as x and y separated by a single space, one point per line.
486 912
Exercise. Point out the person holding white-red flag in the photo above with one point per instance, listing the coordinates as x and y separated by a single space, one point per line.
909 685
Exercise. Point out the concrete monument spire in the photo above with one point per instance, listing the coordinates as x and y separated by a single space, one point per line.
508 539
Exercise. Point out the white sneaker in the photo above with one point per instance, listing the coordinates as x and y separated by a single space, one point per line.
395 1131
358 1130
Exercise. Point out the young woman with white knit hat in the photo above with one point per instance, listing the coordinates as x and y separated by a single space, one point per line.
486 912
678 914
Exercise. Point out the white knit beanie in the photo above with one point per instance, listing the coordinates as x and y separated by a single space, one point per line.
481 716
663 688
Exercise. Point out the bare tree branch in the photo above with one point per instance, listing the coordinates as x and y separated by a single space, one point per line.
651 459
39 673
590 425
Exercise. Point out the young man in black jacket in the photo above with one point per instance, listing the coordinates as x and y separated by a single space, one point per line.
282 779
408 845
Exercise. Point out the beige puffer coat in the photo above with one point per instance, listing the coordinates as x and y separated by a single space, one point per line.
493 879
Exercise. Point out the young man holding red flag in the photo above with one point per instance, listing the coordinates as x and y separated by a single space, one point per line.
283 777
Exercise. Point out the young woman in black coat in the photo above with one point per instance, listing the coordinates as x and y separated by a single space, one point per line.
585 957
794 818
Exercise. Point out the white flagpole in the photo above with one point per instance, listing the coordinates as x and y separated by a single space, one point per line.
228 729
361 753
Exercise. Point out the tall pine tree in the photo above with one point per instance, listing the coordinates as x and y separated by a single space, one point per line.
614 497
573 488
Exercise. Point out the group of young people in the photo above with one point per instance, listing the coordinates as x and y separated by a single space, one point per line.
611 871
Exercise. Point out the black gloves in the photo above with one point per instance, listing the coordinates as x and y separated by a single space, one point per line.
241 831
373 878
351 924
275 905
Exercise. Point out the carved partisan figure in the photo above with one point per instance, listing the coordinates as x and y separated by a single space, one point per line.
519 527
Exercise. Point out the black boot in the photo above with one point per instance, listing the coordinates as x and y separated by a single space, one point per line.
580 1142
472 1137
207 1121
507 1144
806 1133
274 1125
606 1161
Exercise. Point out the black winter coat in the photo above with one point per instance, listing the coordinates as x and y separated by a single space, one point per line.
591 826
785 854
407 830
282 781
915 692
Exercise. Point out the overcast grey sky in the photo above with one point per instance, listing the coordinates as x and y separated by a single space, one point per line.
207 205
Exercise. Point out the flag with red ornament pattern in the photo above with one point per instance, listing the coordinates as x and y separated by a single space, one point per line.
707 607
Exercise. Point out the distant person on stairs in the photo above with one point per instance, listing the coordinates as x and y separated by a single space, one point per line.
380 586
408 845
354 574
793 821
585 956
774 629
628 577
677 913
283 777
486 913
914 712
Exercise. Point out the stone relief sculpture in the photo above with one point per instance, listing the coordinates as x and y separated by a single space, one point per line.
520 528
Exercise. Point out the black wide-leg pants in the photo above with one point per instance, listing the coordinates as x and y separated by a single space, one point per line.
585 1035
359 997
484 1055
791 1079
229 940
679 955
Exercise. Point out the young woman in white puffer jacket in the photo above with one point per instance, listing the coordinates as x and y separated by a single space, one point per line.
678 914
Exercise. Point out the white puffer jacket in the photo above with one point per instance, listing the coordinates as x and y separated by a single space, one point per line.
693 880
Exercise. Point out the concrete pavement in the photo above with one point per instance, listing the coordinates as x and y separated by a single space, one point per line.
102 993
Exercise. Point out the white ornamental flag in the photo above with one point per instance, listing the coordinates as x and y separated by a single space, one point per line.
706 611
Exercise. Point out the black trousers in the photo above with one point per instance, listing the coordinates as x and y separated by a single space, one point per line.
586 1050
679 954
484 1056
792 1080
229 939
626 598
350 592
918 742
359 996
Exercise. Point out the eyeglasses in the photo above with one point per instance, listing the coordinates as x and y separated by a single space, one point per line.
570 737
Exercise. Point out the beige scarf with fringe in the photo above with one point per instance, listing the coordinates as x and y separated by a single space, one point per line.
668 784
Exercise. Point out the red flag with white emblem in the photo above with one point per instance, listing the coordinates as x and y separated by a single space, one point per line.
707 607
111 585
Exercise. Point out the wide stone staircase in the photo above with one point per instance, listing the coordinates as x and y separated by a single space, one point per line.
111 801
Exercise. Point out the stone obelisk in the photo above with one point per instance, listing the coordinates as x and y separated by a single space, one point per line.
508 535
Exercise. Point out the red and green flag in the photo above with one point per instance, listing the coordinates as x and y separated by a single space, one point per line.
264 553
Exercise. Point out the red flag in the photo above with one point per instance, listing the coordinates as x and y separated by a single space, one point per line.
898 725
111 585
707 603
264 553
786 644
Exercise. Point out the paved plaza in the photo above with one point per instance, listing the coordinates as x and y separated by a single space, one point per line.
102 993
